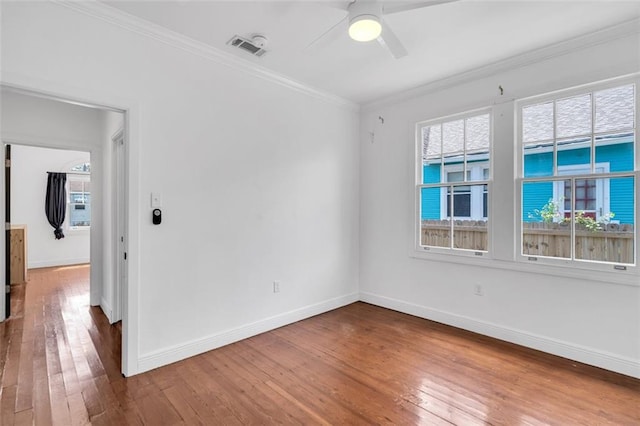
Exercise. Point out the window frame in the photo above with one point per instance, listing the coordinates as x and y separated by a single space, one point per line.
579 265
419 165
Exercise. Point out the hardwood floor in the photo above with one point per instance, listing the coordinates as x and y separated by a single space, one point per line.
361 364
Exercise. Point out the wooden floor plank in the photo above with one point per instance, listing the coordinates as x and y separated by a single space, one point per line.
60 414
361 364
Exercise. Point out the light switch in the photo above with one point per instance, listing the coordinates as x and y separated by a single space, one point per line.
156 200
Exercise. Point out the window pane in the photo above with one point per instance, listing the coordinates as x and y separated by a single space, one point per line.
75 186
469 233
608 234
477 133
614 109
431 155
574 152
537 122
431 142
617 151
538 159
585 192
461 202
431 173
454 176
84 167
434 232
573 116
430 203
79 215
545 229
453 138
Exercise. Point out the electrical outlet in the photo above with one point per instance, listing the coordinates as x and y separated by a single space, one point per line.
276 286
478 290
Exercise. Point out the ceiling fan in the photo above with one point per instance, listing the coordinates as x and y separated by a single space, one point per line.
365 22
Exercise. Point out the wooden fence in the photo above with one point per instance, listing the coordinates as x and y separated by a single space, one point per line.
614 243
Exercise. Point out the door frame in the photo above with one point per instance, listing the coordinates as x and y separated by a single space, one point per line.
6 154
129 109
119 231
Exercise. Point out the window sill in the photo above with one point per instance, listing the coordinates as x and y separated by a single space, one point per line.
629 277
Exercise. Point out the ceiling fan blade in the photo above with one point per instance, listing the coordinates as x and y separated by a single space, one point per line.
338 4
396 7
389 40
330 32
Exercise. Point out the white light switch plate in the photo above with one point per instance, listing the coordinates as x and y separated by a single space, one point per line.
156 200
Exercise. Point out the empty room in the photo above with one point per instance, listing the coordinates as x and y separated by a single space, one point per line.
320 212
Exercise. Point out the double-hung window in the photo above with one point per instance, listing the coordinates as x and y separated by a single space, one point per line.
452 190
578 176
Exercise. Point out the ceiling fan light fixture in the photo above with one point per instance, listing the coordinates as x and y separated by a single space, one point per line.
365 28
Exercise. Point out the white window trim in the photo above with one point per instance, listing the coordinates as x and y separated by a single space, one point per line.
582 267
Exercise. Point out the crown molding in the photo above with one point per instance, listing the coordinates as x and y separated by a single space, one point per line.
605 35
137 25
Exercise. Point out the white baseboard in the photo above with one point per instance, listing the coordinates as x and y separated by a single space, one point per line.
176 353
56 262
586 355
106 308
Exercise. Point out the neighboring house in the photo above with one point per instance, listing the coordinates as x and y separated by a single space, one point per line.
598 198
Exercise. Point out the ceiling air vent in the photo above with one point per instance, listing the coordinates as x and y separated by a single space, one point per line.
255 46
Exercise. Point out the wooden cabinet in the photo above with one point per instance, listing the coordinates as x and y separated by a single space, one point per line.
18 252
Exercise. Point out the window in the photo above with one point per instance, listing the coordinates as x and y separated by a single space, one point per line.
79 190
578 177
470 202
452 182
592 195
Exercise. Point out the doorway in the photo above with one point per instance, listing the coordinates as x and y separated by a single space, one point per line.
51 123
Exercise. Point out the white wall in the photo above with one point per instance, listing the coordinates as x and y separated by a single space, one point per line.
29 167
36 121
259 181
590 319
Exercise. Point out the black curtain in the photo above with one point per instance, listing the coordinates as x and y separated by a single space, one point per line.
55 204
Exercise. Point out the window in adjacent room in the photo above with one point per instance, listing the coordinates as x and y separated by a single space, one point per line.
79 190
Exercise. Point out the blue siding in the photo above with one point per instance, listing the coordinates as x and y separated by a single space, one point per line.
622 203
620 158
534 196
430 200
430 204
537 165
572 157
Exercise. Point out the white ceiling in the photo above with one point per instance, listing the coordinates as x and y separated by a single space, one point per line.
442 40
